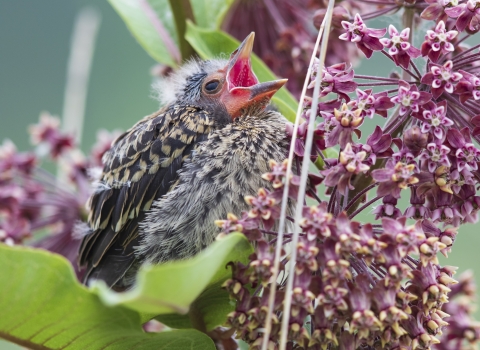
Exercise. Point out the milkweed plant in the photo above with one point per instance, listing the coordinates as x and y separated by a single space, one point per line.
369 283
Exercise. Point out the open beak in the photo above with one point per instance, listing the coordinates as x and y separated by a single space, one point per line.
243 88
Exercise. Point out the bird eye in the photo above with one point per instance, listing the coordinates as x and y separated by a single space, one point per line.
211 86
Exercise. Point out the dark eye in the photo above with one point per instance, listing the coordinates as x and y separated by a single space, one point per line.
211 86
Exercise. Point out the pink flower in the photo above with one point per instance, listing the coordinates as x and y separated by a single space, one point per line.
465 151
441 78
435 120
435 155
399 47
409 98
353 161
468 87
438 42
365 38
337 79
371 103
417 210
436 9
47 133
393 178
467 15
10 159
377 145
350 163
388 208
340 125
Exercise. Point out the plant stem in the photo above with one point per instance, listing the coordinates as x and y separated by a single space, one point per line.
303 182
78 71
358 195
408 15
182 11
366 205
465 52
405 70
283 211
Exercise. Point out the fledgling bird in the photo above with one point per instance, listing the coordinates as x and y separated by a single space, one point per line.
167 179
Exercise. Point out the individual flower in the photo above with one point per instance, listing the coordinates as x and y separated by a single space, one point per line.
436 9
399 47
48 135
467 205
435 155
434 120
467 155
365 38
467 15
409 98
350 163
441 78
340 125
263 208
11 159
335 79
316 221
393 178
438 42
467 87
414 142
377 146
429 182
417 209
388 208
371 103
444 211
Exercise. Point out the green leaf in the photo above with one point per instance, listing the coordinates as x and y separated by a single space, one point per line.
181 286
210 13
44 307
328 153
214 43
212 306
151 23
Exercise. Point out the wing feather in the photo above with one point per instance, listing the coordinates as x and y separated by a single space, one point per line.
140 167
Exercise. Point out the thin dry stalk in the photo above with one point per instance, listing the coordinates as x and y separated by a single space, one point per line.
304 175
283 212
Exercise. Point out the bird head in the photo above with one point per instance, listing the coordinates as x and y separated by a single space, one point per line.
231 83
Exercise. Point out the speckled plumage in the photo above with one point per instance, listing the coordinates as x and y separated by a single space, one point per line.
221 172
167 179
139 168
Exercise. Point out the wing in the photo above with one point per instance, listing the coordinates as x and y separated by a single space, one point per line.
140 167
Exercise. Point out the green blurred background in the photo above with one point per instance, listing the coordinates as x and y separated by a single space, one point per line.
34 48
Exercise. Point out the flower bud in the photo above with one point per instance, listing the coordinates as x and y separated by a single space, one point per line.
415 140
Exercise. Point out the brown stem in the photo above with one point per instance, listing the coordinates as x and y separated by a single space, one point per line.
408 15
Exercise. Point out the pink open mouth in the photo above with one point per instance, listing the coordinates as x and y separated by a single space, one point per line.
241 74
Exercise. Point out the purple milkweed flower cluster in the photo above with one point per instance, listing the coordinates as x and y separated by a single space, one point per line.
286 47
377 284
33 201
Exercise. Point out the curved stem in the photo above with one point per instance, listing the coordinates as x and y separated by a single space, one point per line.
358 195
405 70
366 205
